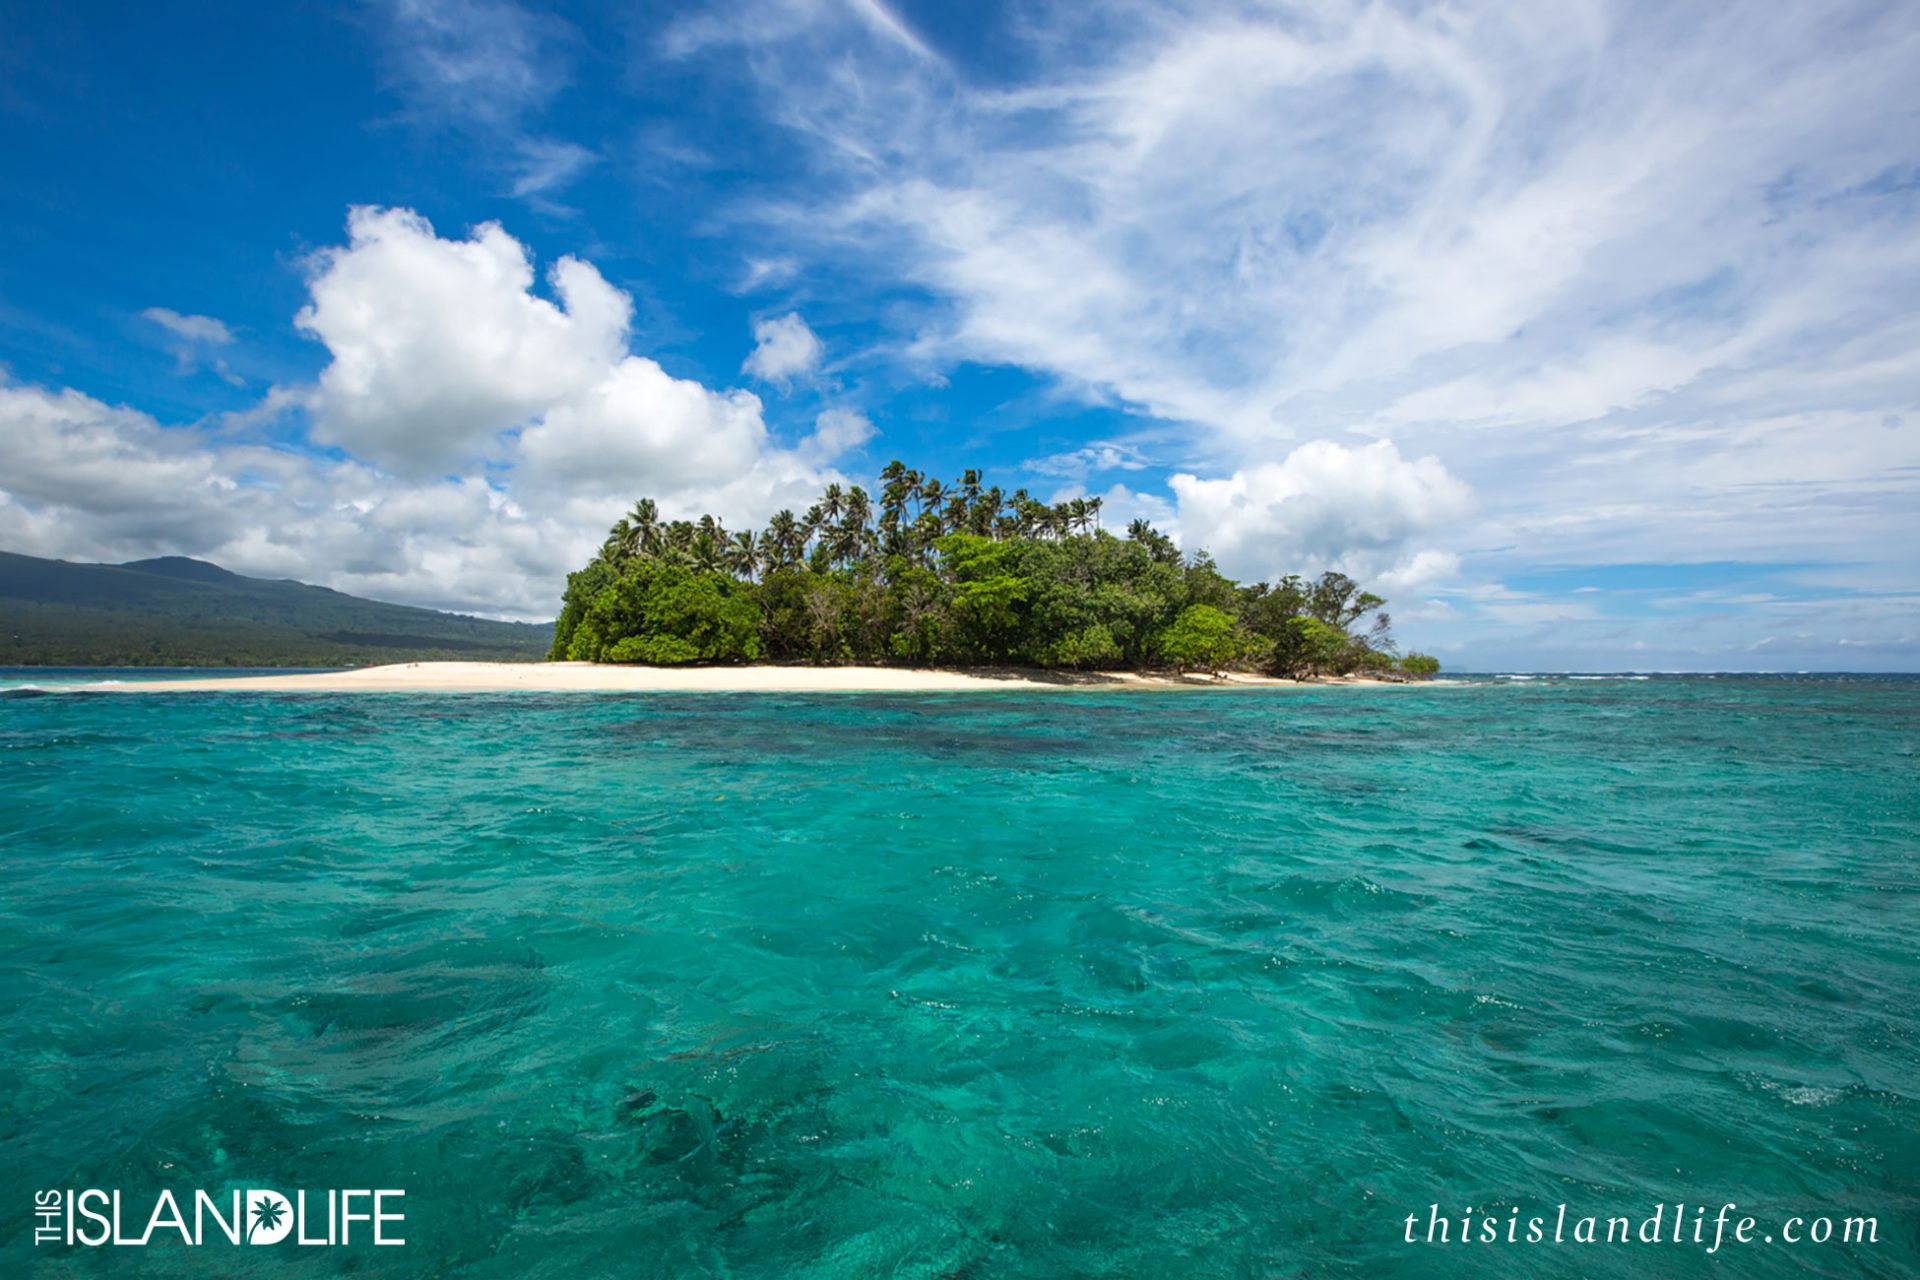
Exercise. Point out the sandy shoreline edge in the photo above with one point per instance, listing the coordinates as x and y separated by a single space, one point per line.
585 677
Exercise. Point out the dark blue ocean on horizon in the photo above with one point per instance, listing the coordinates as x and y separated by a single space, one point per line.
1128 984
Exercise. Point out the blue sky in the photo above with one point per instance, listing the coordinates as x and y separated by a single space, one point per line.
1587 332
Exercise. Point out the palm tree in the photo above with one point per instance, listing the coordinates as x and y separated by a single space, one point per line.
893 507
842 544
833 501
893 491
710 553
1158 544
617 539
926 531
746 555
859 510
786 541
644 520
986 512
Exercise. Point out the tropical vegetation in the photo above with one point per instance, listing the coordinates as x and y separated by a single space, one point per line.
955 575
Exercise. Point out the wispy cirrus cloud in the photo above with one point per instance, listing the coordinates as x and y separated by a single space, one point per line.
200 329
1636 276
192 340
487 69
778 22
545 165
1094 458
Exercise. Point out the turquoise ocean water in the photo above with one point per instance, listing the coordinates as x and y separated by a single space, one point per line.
1124 984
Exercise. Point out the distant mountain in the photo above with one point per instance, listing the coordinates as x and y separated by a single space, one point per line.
179 567
174 611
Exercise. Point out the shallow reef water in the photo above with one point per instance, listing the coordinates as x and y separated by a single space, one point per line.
1131 984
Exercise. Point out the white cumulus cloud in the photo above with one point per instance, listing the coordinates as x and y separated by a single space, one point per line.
439 345
490 436
836 432
1324 506
86 480
783 348
639 421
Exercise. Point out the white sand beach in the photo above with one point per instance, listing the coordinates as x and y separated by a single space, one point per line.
586 677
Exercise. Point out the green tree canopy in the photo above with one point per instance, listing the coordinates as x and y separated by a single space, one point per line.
922 571
1421 666
660 614
1202 638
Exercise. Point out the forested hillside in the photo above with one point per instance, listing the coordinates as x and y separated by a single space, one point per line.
179 612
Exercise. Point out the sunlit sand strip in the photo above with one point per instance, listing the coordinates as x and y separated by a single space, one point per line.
586 677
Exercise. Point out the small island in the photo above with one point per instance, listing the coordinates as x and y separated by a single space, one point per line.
958 577
935 588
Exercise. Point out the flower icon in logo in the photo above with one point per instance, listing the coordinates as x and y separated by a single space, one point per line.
269 1217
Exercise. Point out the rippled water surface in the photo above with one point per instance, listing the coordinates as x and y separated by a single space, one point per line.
1126 984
